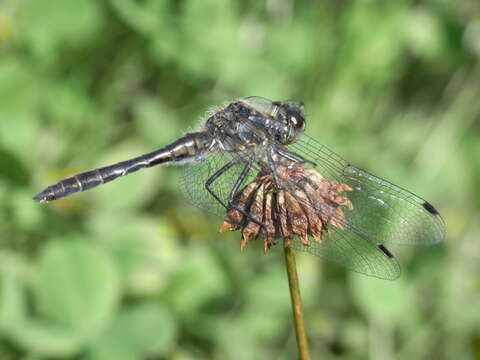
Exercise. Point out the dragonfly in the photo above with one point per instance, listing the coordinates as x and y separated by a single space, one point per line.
254 134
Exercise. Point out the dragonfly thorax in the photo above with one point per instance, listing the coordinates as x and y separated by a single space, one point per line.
256 121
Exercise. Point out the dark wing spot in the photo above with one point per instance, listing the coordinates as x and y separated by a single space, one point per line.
385 251
429 207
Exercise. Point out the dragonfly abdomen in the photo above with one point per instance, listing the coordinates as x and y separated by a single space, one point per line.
186 147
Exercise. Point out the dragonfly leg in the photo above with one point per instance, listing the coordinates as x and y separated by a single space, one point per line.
290 155
273 169
237 184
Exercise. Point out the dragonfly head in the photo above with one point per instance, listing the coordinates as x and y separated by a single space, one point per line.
291 114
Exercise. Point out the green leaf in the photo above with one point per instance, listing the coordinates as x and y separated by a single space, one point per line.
26 214
37 336
198 281
12 169
139 331
45 339
12 303
19 93
145 249
146 17
425 34
78 287
50 24
13 265
381 298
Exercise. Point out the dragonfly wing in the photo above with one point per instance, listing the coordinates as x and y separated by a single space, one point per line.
196 174
382 212
353 251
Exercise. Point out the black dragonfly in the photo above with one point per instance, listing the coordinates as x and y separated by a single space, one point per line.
252 134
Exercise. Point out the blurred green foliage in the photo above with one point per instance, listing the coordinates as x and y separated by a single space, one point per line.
132 271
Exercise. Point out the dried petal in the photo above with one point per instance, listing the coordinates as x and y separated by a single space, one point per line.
242 200
296 218
243 241
269 233
227 226
314 222
252 229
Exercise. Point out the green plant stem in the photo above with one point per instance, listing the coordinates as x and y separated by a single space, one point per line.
300 333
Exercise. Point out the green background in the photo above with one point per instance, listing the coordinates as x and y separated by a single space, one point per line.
130 270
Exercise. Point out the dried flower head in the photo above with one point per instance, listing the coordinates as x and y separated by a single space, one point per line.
303 206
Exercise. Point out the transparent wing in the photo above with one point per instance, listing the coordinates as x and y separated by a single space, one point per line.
353 251
258 103
196 175
382 212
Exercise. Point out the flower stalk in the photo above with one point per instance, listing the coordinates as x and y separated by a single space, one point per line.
299 323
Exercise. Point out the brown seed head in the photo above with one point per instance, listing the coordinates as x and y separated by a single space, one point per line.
303 206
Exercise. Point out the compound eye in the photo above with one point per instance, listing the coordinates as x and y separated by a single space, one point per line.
296 119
